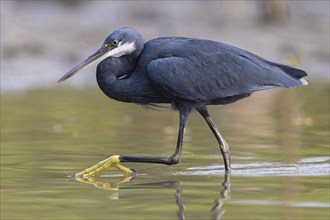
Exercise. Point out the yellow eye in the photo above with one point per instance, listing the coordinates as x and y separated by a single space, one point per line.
115 42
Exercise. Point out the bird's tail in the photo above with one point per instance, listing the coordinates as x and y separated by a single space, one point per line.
293 72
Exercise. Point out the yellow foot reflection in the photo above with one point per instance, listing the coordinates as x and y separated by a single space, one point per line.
102 165
98 183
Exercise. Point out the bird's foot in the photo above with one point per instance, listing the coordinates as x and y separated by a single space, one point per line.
104 164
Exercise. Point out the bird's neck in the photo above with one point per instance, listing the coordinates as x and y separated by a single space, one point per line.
132 85
111 74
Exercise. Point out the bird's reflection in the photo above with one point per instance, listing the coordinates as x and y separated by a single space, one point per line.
101 183
217 211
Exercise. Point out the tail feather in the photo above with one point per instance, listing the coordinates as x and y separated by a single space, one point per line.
304 82
294 72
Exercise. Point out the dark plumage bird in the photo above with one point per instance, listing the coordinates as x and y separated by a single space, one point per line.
187 73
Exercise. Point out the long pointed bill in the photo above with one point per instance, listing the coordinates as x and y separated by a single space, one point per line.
88 61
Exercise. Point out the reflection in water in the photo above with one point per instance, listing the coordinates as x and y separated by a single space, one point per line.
217 210
98 183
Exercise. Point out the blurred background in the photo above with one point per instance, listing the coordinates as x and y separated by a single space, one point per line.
41 40
279 138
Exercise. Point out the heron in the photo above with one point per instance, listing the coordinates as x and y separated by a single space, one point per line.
188 73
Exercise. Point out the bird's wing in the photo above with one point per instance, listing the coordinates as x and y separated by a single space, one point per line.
219 75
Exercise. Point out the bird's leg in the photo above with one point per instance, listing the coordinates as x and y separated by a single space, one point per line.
224 147
184 114
175 158
115 160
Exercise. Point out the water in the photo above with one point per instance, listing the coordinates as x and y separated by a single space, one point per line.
279 144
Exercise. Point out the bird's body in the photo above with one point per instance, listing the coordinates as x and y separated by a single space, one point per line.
199 72
188 73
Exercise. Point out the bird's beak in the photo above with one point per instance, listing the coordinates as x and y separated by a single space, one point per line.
88 61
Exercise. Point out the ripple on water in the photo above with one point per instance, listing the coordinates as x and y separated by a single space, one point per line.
312 166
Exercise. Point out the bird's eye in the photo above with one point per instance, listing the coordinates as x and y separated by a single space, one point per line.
115 42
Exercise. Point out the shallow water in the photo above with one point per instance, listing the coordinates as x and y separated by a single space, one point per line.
279 144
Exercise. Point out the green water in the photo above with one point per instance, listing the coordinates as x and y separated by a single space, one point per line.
279 145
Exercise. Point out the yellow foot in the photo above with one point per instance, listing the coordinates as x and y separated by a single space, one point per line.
104 164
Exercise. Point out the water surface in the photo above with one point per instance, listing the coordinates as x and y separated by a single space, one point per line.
279 144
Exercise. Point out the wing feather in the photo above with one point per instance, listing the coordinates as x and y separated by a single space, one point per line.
202 80
224 72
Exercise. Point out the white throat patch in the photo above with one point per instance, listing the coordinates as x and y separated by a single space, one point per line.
122 49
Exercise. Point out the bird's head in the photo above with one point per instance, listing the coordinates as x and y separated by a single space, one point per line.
123 41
